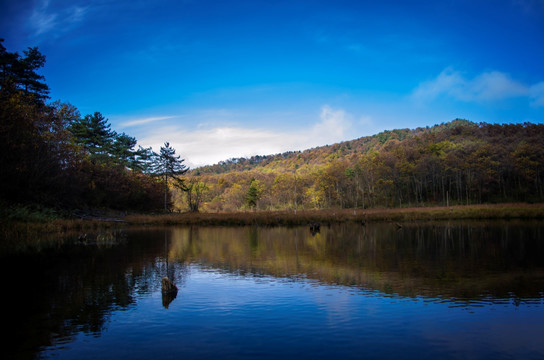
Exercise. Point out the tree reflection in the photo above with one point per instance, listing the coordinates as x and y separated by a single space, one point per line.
168 297
441 259
76 288
168 289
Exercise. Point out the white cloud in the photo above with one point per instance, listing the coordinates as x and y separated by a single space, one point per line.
488 86
536 93
45 19
331 128
145 120
41 20
447 82
208 146
494 86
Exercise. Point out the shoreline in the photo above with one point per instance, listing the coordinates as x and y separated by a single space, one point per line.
305 217
290 218
20 236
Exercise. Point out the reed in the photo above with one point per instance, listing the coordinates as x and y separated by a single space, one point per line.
16 236
17 230
290 218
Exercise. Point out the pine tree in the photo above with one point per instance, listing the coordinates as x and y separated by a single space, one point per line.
19 73
94 134
122 151
168 165
253 194
144 160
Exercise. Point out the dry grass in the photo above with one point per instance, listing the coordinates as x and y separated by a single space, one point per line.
17 231
273 218
36 235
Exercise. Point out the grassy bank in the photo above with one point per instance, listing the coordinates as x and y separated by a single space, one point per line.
275 218
34 234
15 229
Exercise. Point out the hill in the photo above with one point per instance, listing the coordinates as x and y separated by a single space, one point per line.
319 155
459 162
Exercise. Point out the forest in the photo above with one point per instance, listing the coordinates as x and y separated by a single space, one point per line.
455 163
53 157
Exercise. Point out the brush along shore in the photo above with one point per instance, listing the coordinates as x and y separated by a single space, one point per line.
280 218
22 235
304 217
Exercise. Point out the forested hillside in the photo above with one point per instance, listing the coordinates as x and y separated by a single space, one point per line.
459 162
52 157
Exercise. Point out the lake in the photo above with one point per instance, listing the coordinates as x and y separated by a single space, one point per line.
444 290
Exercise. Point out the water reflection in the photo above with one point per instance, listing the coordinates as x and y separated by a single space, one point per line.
441 260
168 296
56 294
75 286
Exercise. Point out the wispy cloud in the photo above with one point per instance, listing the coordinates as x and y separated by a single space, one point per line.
494 86
41 20
488 86
536 93
76 13
45 18
147 120
211 145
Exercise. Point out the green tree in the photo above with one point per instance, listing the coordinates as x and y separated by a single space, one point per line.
195 191
168 165
94 134
122 151
51 156
144 160
29 79
253 193
20 73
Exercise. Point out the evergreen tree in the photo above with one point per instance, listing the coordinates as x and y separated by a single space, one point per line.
168 165
19 73
122 151
51 156
144 160
253 194
94 134
31 81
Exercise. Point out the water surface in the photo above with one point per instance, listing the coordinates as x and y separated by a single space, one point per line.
442 290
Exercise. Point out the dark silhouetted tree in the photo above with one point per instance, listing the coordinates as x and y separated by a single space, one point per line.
94 134
20 73
168 165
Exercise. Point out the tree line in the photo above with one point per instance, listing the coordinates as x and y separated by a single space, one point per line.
52 156
456 163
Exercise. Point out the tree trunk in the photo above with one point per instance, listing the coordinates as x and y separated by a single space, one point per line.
165 192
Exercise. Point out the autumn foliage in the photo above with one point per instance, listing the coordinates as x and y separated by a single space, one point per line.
456 163
52 156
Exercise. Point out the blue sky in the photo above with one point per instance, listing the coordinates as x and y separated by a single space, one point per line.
222 79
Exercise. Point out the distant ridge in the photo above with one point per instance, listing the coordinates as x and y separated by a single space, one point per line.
455 163
320 154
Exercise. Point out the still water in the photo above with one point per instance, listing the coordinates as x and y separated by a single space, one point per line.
425 291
